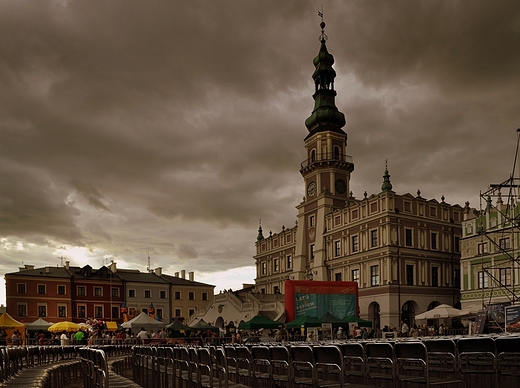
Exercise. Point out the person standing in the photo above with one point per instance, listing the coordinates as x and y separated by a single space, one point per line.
404 329
143 335
64 340
79 337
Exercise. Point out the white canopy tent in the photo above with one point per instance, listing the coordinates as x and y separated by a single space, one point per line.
441 311
39 324
143 320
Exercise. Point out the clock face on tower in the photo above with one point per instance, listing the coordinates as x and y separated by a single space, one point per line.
341 186
311 189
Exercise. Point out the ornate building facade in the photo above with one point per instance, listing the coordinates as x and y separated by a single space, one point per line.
402 250
489 262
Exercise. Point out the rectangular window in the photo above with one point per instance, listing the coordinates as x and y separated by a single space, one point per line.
21 289
289 262
456 248
482 248
276 290
276 265
337 248
115 292
62 311
483 279
177 295
505 276
311 249
311 221
355 275
408 237
204 296
178 313
374 275
374 238
115 312
98 311
355 244
456 278
433 212
433 237
131 293
191 312
147 294
504 243
435 276
42 289
22 310
337 276
82 313
191 295
264 267
159 314
42 311
162 294
98 291
61 290
409 275
82 291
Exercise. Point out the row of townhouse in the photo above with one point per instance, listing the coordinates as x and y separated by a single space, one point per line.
77 294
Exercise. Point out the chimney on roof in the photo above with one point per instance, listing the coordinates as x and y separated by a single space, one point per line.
176 274
26 267
67 264
183 273
158 271
112 267
191 275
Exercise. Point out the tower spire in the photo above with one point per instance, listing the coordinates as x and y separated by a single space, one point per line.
325 115
386 186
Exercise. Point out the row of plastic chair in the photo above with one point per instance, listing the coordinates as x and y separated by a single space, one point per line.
36 366
98 363
468 361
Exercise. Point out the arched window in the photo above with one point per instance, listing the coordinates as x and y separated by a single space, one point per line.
313 156
337 153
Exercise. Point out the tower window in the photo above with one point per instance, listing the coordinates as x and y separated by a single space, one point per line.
355 275
435 276
408 237
434 241
355 243
373 238
374 275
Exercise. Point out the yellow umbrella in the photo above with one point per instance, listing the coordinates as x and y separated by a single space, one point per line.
67 326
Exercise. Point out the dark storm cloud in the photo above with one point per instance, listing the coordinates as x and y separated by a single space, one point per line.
169 129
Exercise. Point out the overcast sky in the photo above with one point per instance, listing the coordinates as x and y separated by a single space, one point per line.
169 128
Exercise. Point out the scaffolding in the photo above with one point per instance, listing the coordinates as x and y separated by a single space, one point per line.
504 236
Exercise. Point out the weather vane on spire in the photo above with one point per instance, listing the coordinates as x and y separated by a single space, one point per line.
323 37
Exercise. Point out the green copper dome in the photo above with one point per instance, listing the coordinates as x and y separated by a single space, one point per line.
325 110
386 186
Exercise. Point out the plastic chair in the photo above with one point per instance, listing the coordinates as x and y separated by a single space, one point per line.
328 366
477 361
412 366
281 371
302 359
380 363
508 360
354 362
